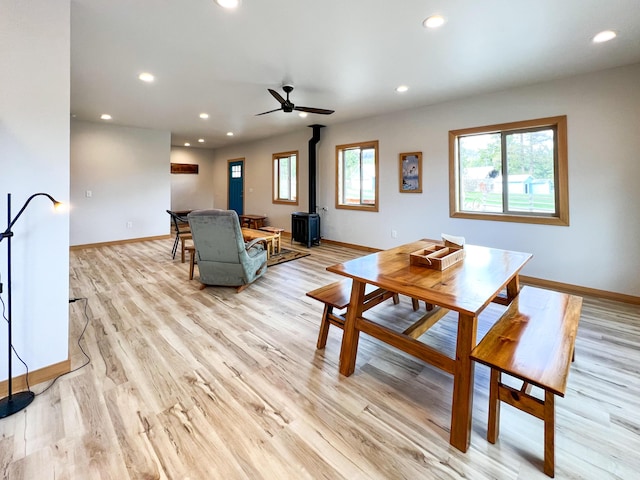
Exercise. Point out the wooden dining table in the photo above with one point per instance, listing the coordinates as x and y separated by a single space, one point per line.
484 275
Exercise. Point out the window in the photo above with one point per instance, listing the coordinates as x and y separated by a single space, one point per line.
514 172
357 176
236 171
285 178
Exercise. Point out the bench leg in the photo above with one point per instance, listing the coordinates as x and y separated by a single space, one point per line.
324 327
493 427
415 304
549 433
396 299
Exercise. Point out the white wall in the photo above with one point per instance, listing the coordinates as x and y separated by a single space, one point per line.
34 157
127 172
258 175
191 191
598 250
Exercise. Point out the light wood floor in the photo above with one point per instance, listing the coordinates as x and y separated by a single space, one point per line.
190 384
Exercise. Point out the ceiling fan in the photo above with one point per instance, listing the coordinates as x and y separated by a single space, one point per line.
287 106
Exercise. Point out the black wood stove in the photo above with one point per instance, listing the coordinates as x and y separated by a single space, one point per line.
305 226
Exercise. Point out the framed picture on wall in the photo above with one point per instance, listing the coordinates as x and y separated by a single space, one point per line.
410 168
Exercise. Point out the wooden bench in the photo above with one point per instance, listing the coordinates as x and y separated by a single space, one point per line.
533 341
337 295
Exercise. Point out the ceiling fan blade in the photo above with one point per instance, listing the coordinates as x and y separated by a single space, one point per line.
277 96
270 111
321 111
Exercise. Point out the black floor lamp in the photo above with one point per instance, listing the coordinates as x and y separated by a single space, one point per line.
14 402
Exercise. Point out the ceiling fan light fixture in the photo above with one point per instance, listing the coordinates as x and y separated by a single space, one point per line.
303 114
434 21
229 4
204 116
402 89
229 134
105 116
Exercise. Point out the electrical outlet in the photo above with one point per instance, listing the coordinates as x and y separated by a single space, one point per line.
129 224
88 193
394 234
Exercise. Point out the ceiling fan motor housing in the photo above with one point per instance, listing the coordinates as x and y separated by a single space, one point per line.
287 106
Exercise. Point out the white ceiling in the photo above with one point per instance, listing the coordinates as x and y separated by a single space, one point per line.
345 55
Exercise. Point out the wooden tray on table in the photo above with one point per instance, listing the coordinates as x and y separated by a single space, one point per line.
437 257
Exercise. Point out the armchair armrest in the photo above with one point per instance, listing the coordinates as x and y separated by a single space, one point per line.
256 241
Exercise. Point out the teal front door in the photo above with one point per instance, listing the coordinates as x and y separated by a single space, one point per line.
236 186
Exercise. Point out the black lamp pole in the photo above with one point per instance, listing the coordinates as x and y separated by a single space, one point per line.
13 403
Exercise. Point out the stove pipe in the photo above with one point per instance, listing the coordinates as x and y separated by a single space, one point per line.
312 166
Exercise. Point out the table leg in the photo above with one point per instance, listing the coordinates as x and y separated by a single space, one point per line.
462 405
192 261
513 288
277 242
351 335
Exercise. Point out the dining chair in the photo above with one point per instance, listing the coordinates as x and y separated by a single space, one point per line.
181 226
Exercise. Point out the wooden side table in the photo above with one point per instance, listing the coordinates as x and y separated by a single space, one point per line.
183 246
252 221
277 231
251 234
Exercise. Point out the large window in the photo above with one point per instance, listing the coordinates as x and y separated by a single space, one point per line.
357 176
514 172
285 178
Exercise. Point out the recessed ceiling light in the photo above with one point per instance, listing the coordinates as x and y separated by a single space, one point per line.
204 115
187 144
402 89
229 134
146 77
434 21
228 3
201 140
105 116
303 114
604 36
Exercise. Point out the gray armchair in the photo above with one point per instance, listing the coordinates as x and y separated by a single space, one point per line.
223 257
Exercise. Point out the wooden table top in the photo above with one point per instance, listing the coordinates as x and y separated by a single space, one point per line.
251 233
467 287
